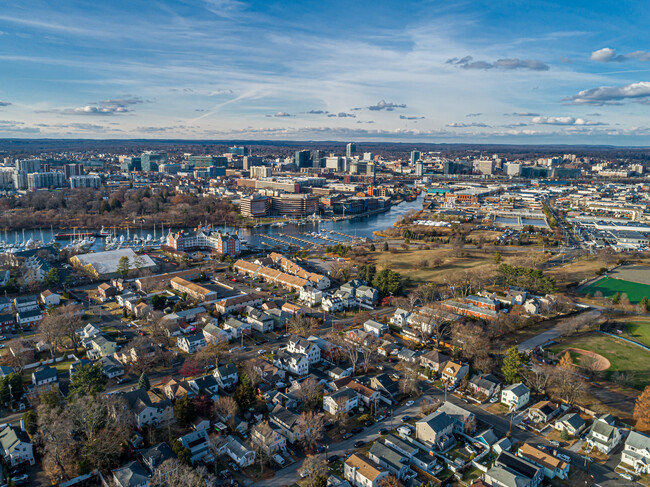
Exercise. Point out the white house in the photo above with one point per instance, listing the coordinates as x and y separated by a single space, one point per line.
226 376
360 471
146 411
296 363
332 303
375 327
132 475
48 298
45 375
236 327
603 435
341 401
302 345
400 317
310 296
515 396
198 443
191 343
636 453
239 452
454 372
213 334
16 446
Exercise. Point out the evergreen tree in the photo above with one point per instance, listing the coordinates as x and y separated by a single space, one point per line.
385 245
616 298
143 382
184 411
513 364
123 266
497 258
87 380
51 278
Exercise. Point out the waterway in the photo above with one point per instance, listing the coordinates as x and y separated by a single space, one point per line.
261 237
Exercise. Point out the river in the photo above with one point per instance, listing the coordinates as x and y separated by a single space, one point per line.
258 237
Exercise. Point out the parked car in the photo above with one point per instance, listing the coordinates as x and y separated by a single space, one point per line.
554 443
380 418
359 443
357 430
494 399
369 423
333 458
279 460
564 457
405 418
627 476
383 431
21 479
233 466
261 352
2 338
347 436
404 430
409 403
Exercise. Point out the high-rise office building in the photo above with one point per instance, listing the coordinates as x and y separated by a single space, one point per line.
238 151
368 156
350 149
130 164
302 159
415 156
317 158
150 160
85 181
335 163
207 161
419 168
251 161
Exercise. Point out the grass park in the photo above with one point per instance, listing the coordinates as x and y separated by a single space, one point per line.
624 357
638 329
609 287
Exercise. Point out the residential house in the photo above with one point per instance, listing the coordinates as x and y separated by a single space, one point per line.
269 373
292 309
213 334
395 462
45 376
132 475
572 423
102 345
226 376
141 310
111 367
436 429
239 452
553 466
360 471
191 343
268 439
154 456
636 453
76 366
301 345
339 372
367 396
375 327
484 385
5 304
464 421
48 298
399 317
341 401
367 295
149 409
295 363
206 384
88 332
332 304
107 291
198 443
26 303
236 327
174 389
260 321
385 385
526 473
28 317
185 316
454 372
434 360
286 421
16 446
603 435
237 303
515 396
543 411
7 322
310 296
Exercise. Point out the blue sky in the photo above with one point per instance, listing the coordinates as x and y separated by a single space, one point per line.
467 71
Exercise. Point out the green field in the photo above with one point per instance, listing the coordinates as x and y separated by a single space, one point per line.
623 356
608 287
639 331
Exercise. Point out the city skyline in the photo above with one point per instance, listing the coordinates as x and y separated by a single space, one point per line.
217 69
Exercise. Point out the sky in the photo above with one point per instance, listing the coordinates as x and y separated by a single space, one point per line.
514 72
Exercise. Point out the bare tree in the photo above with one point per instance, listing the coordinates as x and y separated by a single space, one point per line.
390 481
368 353
226 408
309 392
409 384
253 372
303 325
20 354
173 473
310 428
313 467
538 378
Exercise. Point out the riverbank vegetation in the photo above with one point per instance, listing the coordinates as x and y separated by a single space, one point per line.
92 209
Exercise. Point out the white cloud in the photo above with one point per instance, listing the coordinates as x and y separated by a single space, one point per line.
612 95
468 62
463 125
607 55
564 121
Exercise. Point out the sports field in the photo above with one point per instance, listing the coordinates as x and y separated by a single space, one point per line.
609 286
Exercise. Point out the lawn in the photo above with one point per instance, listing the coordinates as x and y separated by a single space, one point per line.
623 356
639 330
609 286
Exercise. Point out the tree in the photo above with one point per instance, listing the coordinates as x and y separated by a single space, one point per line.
310 392
538 378
302 325
313 467
409 384
368 353
385 247
497 257
123 266
30 418
190 368
367 272
143 382
310 428
244 394
87 380
642 410
158 301
226 408
388 282
184 411
174 473
390 481
202 405
513 364
184 454
51 278
616 298
371 247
